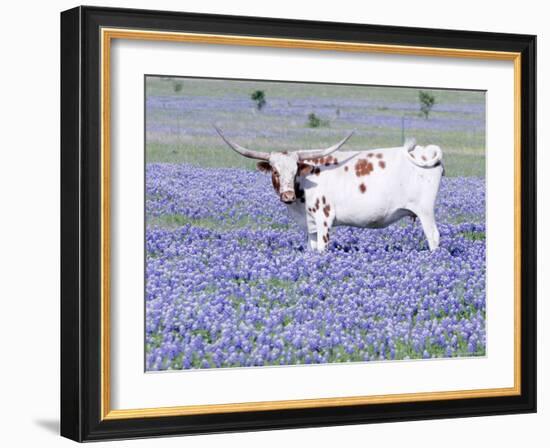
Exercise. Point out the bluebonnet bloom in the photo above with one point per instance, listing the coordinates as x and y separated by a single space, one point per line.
229 281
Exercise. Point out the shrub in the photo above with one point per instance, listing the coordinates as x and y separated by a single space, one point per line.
178 85
259 97
313 121
427 101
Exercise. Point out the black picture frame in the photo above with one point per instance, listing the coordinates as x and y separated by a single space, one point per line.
81 224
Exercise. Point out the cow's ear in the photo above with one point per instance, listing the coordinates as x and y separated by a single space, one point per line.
304 168
264 167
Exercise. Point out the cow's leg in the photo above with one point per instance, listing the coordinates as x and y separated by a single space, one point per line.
427 219
311 227
312 240
324 219
322 239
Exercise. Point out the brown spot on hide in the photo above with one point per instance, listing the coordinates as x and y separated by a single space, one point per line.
362 188
329 160
370 154
304 169
346 168
424 158
317 203
324 200
285 153
363 168
382 164
379 156
325 224
265 167
326 161
326 210
316 171
275 181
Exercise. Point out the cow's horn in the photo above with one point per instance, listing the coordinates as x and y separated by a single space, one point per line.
241 150
314 153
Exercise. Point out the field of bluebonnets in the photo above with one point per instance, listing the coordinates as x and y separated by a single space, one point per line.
229 281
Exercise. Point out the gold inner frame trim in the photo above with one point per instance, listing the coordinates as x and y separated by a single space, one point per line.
107 35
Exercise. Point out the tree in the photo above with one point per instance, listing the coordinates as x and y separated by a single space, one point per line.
259 97
427 101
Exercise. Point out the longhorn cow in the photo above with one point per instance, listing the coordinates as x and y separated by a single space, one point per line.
323 188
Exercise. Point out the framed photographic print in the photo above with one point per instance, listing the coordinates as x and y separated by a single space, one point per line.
272 223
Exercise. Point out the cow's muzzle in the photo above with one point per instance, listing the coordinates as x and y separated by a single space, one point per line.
288 197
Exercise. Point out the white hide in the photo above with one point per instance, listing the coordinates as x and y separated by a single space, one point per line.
406 183
286 166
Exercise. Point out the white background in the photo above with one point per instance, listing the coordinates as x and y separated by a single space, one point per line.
29 181
132 388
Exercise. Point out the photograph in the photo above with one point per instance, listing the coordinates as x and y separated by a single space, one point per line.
272 223
291 223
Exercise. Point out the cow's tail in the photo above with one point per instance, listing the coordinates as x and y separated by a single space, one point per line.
423 156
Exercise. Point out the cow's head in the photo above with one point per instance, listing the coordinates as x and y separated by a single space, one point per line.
284 166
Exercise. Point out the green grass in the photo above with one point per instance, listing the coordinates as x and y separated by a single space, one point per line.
187 136
176 220
208 153
218 88
464 164
181 220
474 236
